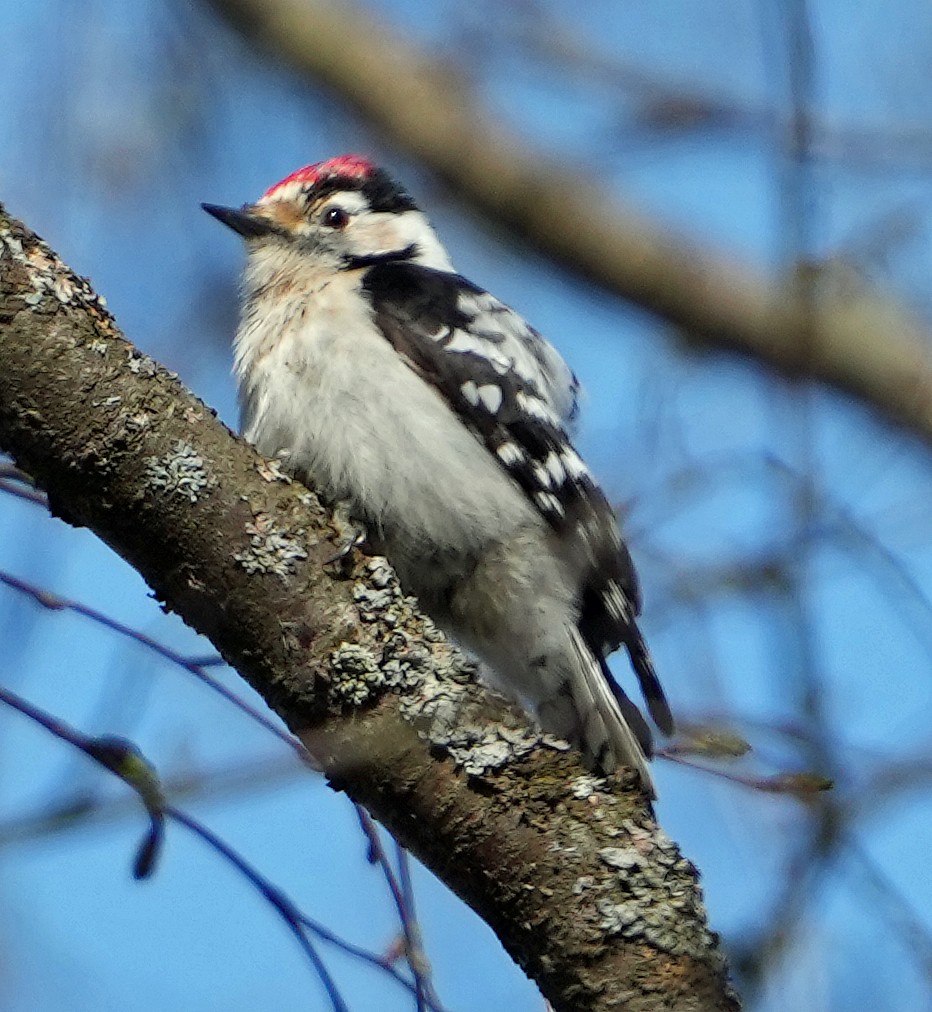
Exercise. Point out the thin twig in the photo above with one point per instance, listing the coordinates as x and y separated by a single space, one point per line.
414 952
407 891
425 994
23 491
900 912
289 913
55 602
297 920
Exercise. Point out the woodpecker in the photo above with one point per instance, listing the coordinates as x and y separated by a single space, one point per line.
387 381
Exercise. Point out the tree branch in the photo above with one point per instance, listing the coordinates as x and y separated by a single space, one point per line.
584 890
825 328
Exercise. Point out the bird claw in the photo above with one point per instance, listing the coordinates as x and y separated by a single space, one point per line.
350 533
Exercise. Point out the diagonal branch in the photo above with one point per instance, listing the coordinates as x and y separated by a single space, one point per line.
584 890
852 338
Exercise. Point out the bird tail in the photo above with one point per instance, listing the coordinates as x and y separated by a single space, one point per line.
593 713
651 689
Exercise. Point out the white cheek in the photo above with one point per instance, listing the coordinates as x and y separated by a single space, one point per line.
383 232
378 234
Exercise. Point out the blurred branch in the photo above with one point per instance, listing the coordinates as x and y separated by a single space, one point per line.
417 960
121 758
296 921
81 810
857 340
573 874
55 602
665 106
15 482
894 907
403 898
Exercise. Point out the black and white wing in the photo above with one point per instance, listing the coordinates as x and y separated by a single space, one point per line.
515 392
532 358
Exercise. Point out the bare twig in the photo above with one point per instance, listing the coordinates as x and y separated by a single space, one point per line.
404 903
123 759
55 602
897 908
18 483
665 104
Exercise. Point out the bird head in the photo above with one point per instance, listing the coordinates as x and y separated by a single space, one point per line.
345 211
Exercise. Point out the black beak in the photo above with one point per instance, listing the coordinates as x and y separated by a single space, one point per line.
242 220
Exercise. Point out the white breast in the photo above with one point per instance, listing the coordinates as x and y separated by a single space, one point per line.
322 386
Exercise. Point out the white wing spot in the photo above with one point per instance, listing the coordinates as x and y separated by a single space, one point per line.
464 342
525 367
521 351
510 454
555 468
474 303
573 464
471 392
549 503
491 397
535 408
542 476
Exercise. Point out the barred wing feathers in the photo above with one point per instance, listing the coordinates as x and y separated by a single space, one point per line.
515 392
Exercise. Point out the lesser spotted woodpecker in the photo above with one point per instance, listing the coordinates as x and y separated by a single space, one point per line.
385 379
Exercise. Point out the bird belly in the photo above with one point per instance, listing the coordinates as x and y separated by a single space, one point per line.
333 398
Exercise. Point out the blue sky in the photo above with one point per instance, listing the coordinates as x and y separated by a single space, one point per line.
112 131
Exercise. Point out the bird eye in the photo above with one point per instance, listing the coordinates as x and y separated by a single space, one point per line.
336 217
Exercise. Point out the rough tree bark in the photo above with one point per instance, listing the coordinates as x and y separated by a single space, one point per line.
821 324
583 888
